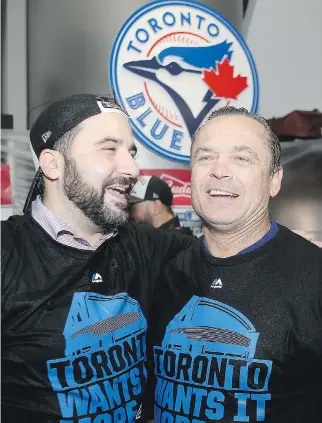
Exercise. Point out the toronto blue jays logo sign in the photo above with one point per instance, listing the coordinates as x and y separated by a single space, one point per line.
172 64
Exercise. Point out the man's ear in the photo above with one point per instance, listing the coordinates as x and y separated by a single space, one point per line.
157 207
51 164
276 182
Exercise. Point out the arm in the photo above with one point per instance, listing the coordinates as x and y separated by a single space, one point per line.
7 268
160 245
308 237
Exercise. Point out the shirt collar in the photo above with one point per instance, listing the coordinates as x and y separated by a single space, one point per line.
56 228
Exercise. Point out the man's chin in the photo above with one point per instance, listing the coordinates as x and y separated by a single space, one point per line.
116 205
219 221
118 200
117 215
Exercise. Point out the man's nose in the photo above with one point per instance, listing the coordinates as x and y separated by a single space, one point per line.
128 166
221 170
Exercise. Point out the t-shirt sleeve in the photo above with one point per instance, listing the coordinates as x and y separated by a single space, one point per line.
156 248
161 245
7 253
7 246
310 331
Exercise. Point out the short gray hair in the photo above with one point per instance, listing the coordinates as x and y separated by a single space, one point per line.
273 142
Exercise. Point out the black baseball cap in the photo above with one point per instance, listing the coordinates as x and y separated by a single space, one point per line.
59 118
151 188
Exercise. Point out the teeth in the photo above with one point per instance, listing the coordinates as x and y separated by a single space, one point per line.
217 192
122 190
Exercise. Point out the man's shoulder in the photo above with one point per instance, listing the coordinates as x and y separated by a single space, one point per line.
298 247
186 231
14 228
134 227
187 258
164 243
301 260
16 222
145 230
136 231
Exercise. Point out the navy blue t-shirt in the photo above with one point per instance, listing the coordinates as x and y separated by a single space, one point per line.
269 235
239 339
74 322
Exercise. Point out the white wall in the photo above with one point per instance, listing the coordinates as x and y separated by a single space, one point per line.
14 66
69 43
285 38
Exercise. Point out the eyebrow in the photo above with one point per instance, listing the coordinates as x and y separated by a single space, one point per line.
245 149
118 141
237 149
204 150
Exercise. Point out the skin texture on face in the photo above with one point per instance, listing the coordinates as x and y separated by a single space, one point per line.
154 213
142 212
99 171
231 177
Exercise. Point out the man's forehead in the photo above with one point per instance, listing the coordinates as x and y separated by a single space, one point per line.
234 127
113 117
104 125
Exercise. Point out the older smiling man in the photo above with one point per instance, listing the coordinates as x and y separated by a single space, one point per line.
237 320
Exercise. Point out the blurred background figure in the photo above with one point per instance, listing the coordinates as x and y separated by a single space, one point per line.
151 201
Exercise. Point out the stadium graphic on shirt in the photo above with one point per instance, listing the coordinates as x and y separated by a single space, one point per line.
206 367
100 378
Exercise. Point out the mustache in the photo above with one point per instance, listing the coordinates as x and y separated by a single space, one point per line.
128 183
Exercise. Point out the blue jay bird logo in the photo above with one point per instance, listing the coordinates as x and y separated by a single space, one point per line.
172 63
194 59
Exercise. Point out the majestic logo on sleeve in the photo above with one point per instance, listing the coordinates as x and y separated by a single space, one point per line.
172 63
216 284
206 368
100 378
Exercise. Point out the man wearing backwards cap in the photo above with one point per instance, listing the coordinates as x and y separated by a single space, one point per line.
151 200
77 278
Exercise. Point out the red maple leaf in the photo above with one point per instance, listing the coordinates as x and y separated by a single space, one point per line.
223 83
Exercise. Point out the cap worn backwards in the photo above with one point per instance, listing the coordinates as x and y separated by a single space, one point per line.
59 118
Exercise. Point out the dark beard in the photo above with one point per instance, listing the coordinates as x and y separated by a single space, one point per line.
90 201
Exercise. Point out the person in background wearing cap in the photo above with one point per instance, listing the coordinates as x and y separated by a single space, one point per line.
151 201
77 278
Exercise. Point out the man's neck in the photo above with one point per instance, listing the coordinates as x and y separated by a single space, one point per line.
227 243
72 216
161 219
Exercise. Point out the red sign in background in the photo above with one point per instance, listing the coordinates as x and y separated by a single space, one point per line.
179 180
6 193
